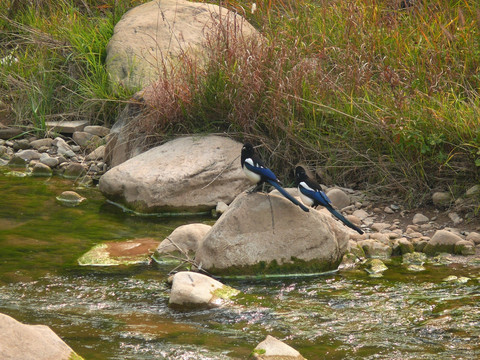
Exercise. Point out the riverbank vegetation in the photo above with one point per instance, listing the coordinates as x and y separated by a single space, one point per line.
379 93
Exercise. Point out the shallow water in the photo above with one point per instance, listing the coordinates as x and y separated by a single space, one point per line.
122 313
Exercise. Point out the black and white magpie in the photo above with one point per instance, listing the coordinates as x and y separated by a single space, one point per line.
258 173
312 195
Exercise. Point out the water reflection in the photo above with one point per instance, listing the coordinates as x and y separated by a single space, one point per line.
123 313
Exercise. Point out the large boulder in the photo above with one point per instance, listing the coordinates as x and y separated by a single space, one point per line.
31 342
150 37
265 234
189 174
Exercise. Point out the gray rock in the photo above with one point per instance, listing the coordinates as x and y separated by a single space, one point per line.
473 191
264 234
420 219
403 246
86 140
187 174
474 237
273 349
339 198
21 144
442 242
17 161
442 199
63 148
31 342
28 155
48 160
221 207
41 143
361 214
375 267
185 238
149 38
97 154
375 249
74 171
41 170
100 131
380 226
455 218
464 247
194 290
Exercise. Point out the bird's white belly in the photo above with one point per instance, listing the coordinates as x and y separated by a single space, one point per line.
254 178
305 199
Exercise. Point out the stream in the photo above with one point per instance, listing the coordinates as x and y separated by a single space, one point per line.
122 312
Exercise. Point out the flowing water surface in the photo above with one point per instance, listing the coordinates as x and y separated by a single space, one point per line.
123 313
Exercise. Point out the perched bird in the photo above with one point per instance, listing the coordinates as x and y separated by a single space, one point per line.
312 195
259 174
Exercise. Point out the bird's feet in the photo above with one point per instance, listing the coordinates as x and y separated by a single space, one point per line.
256 188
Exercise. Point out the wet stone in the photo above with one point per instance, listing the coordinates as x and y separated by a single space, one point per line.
41 170
70 198
464 247
74 171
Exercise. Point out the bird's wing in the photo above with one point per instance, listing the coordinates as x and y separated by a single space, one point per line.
309 189
284 192
256 166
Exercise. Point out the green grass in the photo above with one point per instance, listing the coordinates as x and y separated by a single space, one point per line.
367 93
60 70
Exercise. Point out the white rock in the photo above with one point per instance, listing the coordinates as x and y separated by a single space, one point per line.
455 218
273 349
191 289
420 219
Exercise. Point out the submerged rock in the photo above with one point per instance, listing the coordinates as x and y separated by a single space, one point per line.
265 234
194 290
70 198
31 342
131 252
273 349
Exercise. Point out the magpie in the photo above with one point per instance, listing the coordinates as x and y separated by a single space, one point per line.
312 195
258 173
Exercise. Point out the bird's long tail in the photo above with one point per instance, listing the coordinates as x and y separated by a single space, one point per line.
345 221
287 195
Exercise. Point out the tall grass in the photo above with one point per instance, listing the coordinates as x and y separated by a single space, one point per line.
367 91
58 70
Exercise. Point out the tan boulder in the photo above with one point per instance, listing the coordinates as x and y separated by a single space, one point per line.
31 342
186 174
150 37
263 234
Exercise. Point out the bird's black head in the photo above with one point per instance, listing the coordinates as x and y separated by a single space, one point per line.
247 151
300 174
